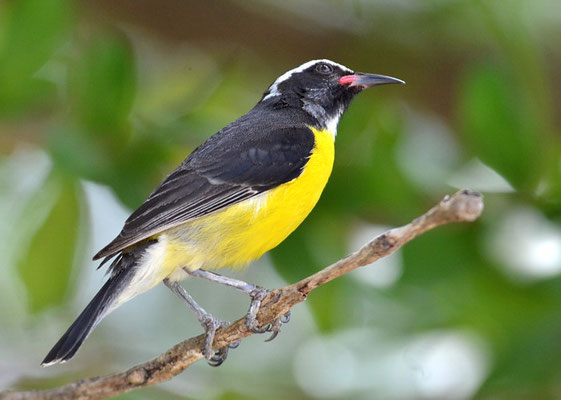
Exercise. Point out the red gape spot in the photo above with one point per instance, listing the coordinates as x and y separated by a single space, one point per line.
347 79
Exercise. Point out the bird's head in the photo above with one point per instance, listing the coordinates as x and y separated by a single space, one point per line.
322 88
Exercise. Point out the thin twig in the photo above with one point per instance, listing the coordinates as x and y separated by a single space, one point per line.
462 206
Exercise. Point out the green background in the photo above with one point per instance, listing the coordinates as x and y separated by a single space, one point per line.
99 100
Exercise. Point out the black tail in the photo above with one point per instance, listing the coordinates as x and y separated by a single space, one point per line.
101 304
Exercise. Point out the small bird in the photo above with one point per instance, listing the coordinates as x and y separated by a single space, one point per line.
235 197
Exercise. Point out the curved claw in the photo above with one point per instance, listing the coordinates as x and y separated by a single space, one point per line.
257 295
219 357
285 319
263 329
275 327
273 336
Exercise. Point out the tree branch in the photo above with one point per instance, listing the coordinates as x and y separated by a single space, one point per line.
462 206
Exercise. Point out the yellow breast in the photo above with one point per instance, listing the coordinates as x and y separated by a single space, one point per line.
243 232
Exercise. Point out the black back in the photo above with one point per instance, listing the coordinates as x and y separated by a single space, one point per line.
263 149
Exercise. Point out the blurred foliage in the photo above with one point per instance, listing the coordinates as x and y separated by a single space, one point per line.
48 259
119 93
31 31
488 105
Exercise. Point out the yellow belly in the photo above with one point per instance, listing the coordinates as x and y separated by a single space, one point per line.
243 232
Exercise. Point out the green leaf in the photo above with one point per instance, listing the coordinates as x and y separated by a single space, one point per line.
30 32
140 169
77 153
103 86
497 129
46 266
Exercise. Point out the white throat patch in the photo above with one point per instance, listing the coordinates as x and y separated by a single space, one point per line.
332 123
274 88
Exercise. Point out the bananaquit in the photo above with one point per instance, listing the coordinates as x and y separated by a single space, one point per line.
238 195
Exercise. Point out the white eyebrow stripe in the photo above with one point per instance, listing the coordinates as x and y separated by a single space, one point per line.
274 88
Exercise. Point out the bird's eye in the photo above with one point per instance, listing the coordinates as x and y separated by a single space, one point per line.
324 68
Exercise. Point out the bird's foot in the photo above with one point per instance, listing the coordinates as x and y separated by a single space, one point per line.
211 325
275 326
220 355
257 295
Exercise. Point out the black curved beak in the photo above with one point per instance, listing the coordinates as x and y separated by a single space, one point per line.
365 81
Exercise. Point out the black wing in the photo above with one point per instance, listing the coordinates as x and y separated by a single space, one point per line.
232 166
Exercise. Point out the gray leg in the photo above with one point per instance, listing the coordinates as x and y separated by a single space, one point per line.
241 286
209 323
256 293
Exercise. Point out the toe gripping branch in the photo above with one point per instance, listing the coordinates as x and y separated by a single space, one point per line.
208 322
211 324
216 358
257 295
